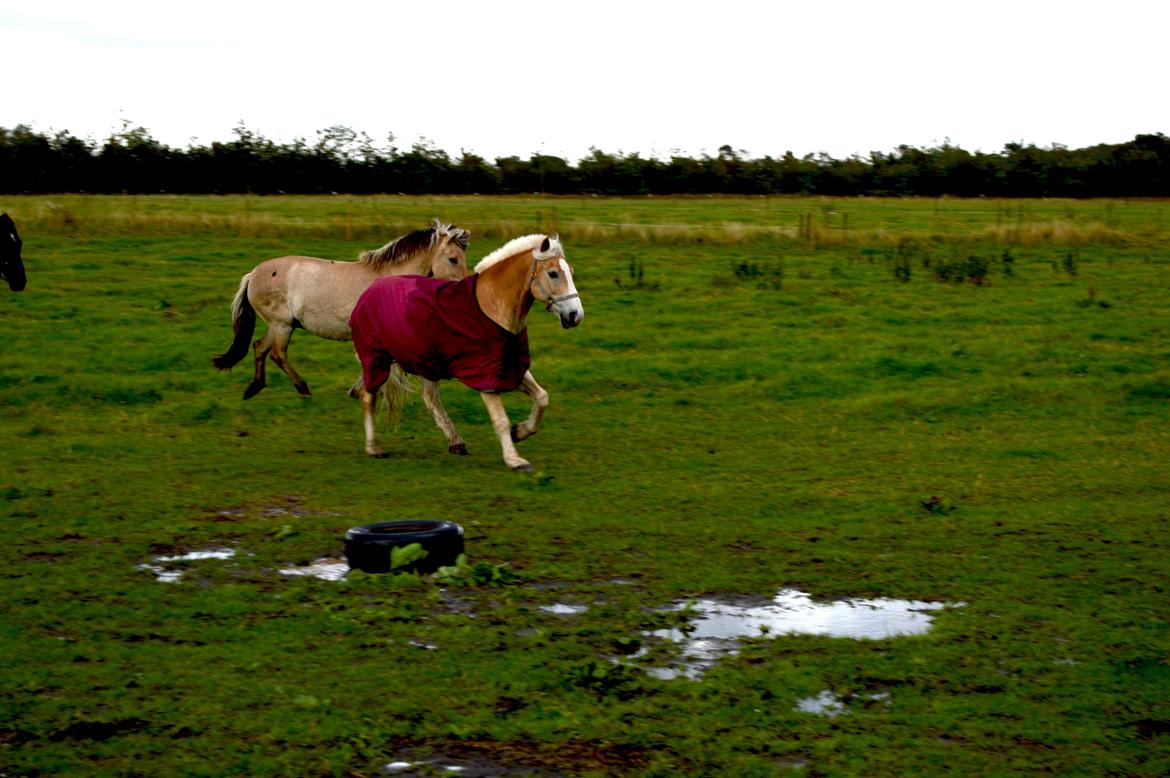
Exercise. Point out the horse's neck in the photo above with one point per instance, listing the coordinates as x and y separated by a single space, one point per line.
417 265
503 292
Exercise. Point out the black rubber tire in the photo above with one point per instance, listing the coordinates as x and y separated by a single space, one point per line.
367 548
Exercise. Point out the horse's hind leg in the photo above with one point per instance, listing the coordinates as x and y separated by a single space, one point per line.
531 425
369 406
261 347
279 355
500 423
430 395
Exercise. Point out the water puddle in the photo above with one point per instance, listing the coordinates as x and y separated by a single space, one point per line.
326 569
831 706
422 768
716 627
824 704
561 609
165 574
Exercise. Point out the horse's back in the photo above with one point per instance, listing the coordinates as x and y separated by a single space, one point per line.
313 293
435 329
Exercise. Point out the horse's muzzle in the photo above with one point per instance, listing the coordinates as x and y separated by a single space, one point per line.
571 319
15 278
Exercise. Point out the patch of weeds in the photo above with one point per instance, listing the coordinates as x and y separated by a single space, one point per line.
604 679
128 396
958 270
540 480
637 280
402 557
627 646
207 412
1091 300
1007 262
766 275
1158 389
481 574
285 532
1029 453
935 506
908 251
892 366
901 269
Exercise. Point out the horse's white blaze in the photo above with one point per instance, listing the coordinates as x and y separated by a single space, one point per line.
565 307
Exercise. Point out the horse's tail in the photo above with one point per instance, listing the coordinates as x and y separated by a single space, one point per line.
396 390
243 324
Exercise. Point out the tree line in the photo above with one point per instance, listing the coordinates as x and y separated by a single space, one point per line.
342 160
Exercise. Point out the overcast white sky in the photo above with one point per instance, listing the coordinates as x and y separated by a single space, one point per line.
502 78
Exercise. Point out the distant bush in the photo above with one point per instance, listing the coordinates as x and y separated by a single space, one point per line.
342 160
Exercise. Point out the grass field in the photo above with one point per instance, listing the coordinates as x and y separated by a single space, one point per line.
914 402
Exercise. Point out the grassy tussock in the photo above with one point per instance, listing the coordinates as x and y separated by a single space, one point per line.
834 224
1061 233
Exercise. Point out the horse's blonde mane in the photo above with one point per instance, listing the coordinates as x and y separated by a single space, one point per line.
406 246
517 245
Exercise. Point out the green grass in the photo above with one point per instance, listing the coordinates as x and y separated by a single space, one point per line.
711 432
809 221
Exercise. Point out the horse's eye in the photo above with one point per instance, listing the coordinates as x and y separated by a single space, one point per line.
453 260
553 275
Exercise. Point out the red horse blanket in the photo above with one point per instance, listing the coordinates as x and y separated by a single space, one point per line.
435 329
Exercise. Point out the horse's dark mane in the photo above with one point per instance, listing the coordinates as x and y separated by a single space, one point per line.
403 248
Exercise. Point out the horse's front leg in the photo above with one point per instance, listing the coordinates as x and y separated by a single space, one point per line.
430 395
495 407
369 405
531 425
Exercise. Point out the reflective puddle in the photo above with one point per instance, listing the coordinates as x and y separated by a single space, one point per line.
422 768
716 627
326 569
167 574
562 609
824 704
830 705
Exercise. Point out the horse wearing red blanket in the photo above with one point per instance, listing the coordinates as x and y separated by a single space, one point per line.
474 330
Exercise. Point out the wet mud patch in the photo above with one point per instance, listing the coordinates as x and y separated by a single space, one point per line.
99 730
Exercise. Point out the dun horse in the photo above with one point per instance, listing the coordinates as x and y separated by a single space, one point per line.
474 330
318 295
11 268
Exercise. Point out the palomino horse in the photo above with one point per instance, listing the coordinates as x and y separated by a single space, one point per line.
318 295
11 268
474 330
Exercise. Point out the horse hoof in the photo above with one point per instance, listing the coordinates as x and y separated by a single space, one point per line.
524 468
303 391
460 449
377 453
252 390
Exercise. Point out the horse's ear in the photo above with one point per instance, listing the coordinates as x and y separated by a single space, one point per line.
544 246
